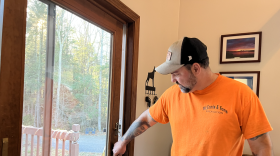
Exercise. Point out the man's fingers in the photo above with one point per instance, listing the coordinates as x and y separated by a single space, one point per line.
117 154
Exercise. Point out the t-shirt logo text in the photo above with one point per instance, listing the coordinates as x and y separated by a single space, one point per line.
215 109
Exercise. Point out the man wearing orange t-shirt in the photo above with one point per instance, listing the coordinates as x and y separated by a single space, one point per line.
209 114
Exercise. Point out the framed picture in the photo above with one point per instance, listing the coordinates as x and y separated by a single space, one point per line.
241 48
250 78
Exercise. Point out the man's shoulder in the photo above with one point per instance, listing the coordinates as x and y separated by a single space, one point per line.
174 89
234 84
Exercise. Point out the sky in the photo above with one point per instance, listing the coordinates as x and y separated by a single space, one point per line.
241 44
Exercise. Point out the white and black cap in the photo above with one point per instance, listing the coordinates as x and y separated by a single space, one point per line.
182 52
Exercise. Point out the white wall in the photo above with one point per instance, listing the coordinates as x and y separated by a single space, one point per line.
208 20
159 21
164 21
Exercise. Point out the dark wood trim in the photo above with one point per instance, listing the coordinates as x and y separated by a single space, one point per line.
241 34
22 73
1 146
131 80
246 72
12 73
133 22
117 9
105 9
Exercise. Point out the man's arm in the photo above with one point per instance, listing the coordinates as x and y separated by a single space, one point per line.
140 125
261 145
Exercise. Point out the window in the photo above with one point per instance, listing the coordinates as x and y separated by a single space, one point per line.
112 16
80 77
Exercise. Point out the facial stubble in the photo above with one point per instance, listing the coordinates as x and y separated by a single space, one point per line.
191 81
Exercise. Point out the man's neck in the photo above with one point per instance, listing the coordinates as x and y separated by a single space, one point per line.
206 79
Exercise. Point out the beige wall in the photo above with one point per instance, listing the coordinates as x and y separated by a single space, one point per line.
208 20
164 21
159 21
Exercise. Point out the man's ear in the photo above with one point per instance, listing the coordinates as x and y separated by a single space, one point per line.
196 68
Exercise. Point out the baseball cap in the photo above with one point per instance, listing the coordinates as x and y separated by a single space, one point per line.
183 52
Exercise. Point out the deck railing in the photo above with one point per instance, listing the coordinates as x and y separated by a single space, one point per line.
63 135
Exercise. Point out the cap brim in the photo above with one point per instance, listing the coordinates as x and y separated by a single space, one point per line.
167 68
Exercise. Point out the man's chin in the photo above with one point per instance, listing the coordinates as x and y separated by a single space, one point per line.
185 90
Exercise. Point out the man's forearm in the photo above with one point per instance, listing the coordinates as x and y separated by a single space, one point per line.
137 128
264 152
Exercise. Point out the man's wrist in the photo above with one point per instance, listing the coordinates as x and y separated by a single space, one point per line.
124 142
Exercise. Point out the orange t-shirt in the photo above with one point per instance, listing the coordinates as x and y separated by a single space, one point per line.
214 121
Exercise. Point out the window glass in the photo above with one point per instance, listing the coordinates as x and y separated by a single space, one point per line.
35 66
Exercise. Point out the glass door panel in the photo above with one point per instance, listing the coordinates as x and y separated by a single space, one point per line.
81 80
67 81
34 74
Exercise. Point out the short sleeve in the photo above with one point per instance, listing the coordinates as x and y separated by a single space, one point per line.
254 120
159 110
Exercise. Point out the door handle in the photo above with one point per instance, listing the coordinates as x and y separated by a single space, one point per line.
116 128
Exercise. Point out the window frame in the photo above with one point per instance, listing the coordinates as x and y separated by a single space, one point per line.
12 66
116 9
2 2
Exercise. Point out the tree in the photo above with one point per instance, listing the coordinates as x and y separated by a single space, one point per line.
81 69
62 32
34 62
100 82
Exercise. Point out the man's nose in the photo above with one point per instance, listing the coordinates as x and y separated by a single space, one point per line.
173 79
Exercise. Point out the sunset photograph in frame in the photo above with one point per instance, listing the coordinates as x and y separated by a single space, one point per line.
241 48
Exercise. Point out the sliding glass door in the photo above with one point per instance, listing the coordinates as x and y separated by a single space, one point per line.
67 81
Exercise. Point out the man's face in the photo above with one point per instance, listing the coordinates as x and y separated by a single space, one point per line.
185 79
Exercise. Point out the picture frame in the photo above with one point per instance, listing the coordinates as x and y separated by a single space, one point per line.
250 78
241 48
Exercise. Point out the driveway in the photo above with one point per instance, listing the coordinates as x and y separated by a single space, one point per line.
87 143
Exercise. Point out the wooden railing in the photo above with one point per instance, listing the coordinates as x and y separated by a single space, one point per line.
63 135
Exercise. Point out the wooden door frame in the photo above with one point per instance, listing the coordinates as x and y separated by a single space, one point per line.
12 67
12 73
120 10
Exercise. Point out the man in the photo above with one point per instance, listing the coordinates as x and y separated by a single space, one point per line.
209 114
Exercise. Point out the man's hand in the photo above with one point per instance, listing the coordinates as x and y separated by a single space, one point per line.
119 148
